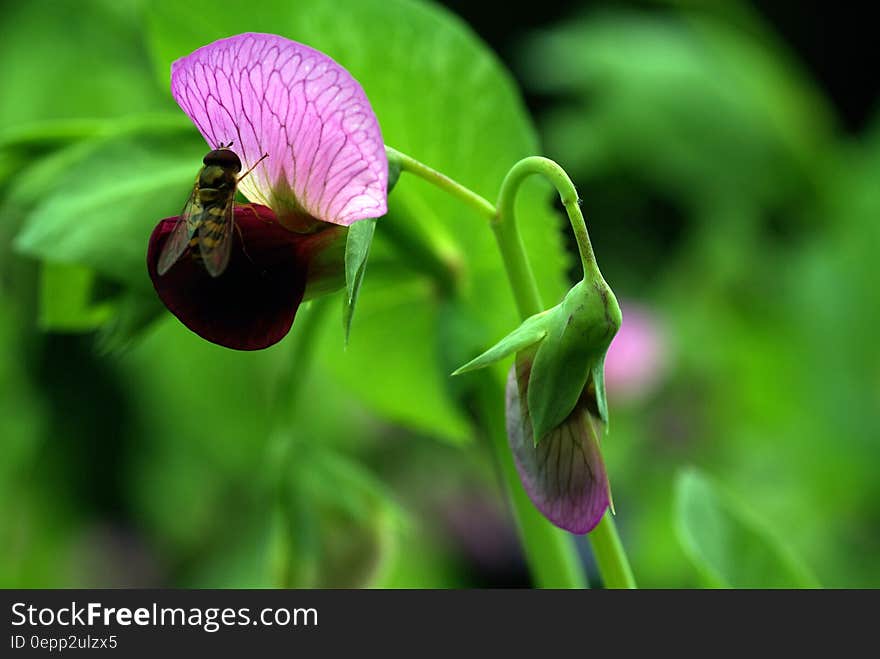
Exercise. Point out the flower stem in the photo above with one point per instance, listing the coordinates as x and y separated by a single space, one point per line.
301 354
432 176
610 557
569 197
294 375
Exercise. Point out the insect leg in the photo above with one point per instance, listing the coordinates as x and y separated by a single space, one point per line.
241 238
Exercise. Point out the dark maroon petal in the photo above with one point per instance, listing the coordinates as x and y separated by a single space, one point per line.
564 475
253 303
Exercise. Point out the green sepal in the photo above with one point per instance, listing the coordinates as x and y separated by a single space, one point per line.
394 169
357 250
599 384
579 333
533 330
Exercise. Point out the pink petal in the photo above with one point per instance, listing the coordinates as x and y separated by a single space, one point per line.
267 94
564 475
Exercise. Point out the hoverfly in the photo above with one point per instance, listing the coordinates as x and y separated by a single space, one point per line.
207 218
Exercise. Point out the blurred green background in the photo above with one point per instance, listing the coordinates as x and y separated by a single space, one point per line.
733 200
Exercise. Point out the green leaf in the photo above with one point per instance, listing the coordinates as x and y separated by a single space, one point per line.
24 418
54 132
66 300
37 151
35 181
394 367
529 333
728 544
442 97
357 250
90 62
684 90
394 169
103 221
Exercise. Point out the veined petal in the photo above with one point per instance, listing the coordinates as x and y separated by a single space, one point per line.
267 94
564 475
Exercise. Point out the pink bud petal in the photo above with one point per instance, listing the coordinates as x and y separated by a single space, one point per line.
564 475
267 94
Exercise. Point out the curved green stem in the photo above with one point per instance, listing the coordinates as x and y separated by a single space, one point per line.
440 180
570 200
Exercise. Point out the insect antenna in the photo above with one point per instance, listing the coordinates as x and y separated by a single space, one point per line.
262 158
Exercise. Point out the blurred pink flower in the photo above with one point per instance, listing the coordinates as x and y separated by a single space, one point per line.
638 355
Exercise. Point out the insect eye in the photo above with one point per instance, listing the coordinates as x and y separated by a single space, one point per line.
223 158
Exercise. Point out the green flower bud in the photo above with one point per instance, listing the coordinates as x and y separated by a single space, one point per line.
569 343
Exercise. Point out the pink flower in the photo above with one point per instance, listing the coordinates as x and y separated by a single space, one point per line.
637 356
325 167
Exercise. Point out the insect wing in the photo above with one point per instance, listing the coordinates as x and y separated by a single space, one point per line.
215 236
181 234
